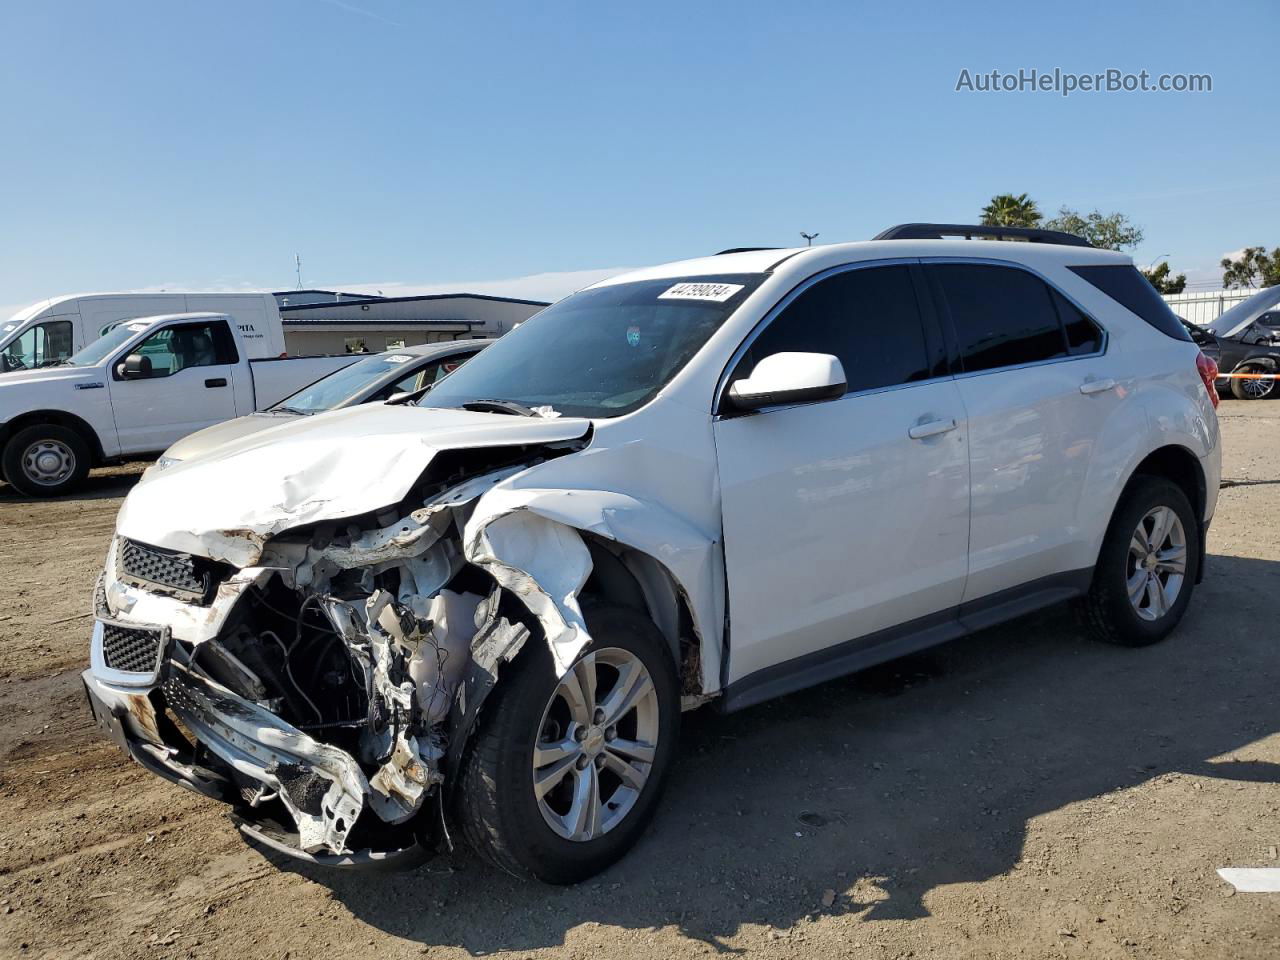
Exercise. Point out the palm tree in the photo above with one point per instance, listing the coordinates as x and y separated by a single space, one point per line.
1006 210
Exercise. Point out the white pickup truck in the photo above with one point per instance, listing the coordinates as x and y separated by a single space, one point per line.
144 385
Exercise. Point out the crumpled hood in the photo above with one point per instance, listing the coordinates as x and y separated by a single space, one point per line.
330 466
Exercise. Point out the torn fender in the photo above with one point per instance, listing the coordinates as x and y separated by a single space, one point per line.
523 534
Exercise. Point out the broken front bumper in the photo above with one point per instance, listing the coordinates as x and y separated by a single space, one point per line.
239 742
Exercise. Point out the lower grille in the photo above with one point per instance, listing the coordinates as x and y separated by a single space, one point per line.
130 649
166 571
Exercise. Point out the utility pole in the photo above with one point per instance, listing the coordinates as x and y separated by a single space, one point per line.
809 238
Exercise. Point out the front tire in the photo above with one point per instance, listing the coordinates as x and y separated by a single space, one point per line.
565 773
1147 567
46 460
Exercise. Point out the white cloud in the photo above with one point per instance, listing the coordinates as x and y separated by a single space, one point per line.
537 286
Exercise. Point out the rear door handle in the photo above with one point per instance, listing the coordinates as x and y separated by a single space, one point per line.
1097 386
931 429
216 382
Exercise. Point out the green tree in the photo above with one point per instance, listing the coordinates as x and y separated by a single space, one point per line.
1111 231
1160 279
1007 210
1253 268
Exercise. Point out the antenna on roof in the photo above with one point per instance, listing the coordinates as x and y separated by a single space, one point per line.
297 263
809 238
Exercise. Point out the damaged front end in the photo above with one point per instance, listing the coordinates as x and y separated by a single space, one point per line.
325 689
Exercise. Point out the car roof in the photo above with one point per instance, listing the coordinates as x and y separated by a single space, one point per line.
806 260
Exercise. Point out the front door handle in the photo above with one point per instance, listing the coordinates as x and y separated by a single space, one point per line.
931 429
1097 386
216 382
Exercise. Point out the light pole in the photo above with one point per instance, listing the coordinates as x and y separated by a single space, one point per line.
809 238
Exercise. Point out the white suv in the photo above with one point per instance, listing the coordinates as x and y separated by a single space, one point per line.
714 481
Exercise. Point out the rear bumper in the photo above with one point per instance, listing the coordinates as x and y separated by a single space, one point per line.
239 744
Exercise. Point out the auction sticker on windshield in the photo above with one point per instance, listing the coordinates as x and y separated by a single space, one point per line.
714 292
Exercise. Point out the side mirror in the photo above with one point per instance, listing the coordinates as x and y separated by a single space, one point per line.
789 378
135 367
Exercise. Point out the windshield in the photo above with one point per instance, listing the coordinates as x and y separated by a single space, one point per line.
104 346
601 352
337 388
1233 321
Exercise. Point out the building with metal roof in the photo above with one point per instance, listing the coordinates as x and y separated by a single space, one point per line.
373 324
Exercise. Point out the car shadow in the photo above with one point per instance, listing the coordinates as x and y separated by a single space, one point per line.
885 785
101 484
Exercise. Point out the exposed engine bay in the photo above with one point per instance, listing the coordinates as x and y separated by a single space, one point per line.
318 687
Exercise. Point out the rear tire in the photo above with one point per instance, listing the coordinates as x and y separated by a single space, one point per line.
46 460
1147 567
1243 389
530 731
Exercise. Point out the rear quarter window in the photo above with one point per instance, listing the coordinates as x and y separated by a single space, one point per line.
1129 288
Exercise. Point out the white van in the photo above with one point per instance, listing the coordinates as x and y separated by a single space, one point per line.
52 330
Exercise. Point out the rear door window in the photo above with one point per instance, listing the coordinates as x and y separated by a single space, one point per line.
1002 316
1083 335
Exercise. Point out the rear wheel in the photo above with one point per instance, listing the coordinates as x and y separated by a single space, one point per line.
1246 388
565 773
46 460
1147 566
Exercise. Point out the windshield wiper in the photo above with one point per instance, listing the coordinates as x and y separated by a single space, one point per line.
293 410
500 406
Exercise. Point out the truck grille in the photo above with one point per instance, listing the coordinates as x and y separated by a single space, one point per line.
130 649
179 575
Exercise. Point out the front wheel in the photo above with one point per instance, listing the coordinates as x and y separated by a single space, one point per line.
1147 566
46 460
566 772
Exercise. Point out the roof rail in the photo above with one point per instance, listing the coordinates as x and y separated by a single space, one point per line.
936 231
721 253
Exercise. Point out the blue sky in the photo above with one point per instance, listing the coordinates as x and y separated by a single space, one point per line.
407 145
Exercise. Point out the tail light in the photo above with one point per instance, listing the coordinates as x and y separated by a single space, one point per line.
1208 371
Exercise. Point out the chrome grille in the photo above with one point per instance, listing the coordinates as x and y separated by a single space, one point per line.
166 571
130 649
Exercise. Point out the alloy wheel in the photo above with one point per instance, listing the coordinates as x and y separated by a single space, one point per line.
1157 563
596 744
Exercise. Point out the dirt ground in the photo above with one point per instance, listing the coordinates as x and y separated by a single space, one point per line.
1022 793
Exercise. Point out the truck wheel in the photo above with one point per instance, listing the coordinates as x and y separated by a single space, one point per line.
565 773
1147 566
46 460
1246 389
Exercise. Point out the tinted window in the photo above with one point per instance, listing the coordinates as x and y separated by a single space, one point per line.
1124 284
1083 335
867 318
1002 316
